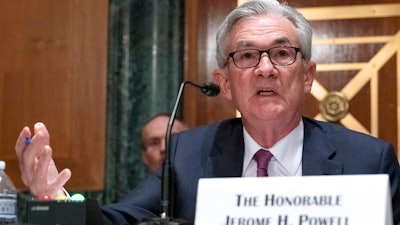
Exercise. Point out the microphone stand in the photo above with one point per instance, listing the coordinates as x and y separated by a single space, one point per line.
167 192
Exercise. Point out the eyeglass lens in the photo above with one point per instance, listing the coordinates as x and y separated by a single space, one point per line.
281 56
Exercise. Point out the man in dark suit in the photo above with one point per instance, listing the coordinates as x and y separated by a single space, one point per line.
266 71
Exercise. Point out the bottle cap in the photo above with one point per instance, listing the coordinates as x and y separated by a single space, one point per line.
2 165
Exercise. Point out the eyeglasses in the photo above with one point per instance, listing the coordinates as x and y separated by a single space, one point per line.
280 56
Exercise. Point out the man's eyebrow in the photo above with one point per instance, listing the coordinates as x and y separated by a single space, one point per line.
244 44
283 40
278 41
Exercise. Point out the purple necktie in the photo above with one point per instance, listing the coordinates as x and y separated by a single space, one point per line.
262 158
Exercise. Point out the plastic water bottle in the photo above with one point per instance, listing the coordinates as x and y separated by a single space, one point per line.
8 198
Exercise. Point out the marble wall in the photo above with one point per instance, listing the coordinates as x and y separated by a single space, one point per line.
144 73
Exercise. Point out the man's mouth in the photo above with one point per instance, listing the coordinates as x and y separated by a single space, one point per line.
265 92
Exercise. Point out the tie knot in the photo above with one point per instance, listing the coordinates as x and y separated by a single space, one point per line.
262 157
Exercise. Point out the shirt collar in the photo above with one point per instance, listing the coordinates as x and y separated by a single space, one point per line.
287 151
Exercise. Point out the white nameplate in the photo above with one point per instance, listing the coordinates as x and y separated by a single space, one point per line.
308 200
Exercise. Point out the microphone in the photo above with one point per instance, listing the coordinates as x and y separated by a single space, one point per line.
210 89
167 193
167 202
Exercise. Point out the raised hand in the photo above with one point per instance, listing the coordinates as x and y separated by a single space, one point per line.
38 170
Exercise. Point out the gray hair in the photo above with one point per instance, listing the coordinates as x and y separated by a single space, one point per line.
263 7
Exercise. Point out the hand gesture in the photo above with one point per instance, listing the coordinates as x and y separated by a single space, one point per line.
38 170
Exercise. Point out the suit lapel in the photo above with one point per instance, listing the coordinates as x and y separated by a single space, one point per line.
226 157
318 153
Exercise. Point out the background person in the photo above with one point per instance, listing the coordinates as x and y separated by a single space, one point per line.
153 139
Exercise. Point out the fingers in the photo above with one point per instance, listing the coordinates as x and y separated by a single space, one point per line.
37 180
30 156
41 136
46 179
20 144
55 188
20 148
38 170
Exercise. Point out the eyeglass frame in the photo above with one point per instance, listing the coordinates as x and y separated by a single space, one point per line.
231 54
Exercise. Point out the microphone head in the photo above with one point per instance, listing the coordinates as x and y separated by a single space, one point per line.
210 89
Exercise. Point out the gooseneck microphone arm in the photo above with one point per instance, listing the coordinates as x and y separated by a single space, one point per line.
167 195
167 179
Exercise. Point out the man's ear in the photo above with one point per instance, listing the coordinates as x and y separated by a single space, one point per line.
221 79
144 158
309 75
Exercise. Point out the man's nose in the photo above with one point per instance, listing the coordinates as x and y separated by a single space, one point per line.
265 64
162 146
264 59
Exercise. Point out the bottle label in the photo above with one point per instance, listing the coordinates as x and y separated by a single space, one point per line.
8 208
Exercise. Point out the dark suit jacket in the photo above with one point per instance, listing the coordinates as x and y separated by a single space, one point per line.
217 151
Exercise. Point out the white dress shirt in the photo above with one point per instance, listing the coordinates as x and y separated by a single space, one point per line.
287 154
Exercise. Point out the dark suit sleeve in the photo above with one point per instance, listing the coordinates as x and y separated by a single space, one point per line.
390 165
141 203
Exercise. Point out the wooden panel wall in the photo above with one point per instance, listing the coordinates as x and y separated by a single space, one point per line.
355 47
349 36
53 69
202 20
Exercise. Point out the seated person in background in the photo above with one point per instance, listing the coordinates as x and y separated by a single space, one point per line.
153 139
266 71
